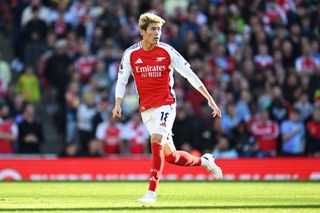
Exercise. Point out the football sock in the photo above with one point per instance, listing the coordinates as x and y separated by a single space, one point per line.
182 158
157 165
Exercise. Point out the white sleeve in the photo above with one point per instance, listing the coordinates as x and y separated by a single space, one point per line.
120 89
123 75
183 67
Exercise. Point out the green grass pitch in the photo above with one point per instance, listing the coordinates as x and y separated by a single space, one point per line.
172 197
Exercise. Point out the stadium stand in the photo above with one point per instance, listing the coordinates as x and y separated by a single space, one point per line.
261 61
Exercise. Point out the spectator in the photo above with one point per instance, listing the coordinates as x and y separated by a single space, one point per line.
30 135
130 101
110 134
70 151
240 138
304 106
223 149
44 12
57 73
293 135
100 75
136 135
35 32
28 85
72 97
266 133
230 119
313 134
8 130
5 75
60 26
243 106
102 114
95 149
279 106
307 63
251 149
85 113
184 129
85 63
263 59
221 60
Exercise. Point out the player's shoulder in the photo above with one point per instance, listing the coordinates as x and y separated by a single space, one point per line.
166 46
133 48
171 50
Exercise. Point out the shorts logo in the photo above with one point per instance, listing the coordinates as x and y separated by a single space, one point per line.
138 61
159 59
163 124
152 179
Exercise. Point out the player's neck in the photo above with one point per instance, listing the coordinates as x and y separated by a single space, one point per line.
147 46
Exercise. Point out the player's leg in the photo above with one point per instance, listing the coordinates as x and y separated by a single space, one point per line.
183 158
157 161
180 158
173 156
150 119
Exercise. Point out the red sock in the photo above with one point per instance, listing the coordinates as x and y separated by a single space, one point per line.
157 165
182 158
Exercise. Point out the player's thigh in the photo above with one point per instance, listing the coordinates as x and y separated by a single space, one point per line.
160 121
163 118
147 120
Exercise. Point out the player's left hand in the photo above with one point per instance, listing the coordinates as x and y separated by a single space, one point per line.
215 109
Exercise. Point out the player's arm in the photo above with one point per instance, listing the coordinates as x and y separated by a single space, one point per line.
123 76
215 109
183 67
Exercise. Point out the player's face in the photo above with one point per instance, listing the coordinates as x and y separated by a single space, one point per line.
152 35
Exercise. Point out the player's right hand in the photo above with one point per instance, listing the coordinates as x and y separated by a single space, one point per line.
215 109
116 112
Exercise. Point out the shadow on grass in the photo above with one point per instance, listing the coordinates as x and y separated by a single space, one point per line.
150 207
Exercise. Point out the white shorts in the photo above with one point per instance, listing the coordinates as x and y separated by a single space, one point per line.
160 120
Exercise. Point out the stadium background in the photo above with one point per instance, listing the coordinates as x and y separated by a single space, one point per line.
259 58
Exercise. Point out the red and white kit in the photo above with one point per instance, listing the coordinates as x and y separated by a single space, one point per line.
153 74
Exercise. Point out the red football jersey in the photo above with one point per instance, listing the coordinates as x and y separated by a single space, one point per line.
111 136
7 127
153 73
266 134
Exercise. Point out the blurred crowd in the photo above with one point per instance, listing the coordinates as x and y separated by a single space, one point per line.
260 59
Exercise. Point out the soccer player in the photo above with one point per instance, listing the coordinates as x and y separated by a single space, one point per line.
152 63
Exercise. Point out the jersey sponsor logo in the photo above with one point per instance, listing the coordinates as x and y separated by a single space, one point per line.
150 68
138 61
159 59
150 71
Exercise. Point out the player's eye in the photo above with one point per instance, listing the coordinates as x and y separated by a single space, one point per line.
155 29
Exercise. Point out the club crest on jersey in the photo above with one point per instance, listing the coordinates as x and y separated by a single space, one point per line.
159 59
138 61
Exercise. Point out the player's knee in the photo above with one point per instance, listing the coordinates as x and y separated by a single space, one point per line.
156 138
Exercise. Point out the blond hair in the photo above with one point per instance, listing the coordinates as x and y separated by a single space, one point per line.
147 18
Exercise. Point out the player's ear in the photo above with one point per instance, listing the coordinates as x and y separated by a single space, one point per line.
142 32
